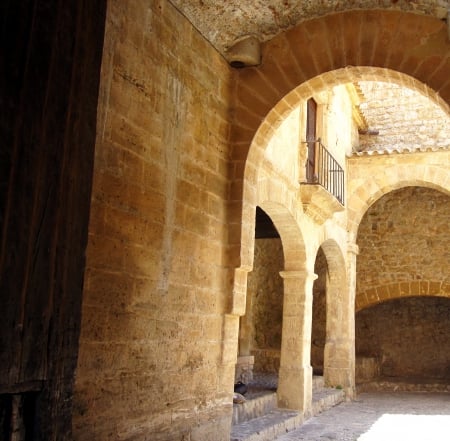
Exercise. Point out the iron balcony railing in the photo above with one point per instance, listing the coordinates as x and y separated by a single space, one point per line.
323 169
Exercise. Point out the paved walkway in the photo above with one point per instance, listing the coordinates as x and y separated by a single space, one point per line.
381 416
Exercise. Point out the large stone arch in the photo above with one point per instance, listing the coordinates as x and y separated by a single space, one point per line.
419 288
410 50
406 43
273 120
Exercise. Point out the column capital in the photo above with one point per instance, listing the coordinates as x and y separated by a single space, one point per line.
304 275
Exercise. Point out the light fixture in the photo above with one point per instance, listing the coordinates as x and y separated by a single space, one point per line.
245 52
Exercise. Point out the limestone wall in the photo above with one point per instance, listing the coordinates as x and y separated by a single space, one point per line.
402 118
404 242
319 313
152 360
371 177
265 287
410 337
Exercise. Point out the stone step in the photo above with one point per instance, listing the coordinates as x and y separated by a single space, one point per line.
256 405
258 419
259 403
318 382
267 427
326 398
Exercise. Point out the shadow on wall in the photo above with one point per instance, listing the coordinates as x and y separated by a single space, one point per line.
407 337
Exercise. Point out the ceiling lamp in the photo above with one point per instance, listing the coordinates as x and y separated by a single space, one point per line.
245 52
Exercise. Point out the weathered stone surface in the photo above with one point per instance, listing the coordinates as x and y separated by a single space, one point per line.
221 22
404 241
409 337
153 326
265 290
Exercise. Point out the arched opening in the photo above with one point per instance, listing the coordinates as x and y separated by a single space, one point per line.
404 344
402 277
403 241
260 327
319 313
266 98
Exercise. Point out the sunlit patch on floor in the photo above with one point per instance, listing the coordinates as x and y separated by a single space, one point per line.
390 427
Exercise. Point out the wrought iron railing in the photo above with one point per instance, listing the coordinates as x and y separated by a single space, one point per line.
325 170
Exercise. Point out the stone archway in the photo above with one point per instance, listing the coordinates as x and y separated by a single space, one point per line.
295 374
388 174
338 356
372 45
402 284
403 240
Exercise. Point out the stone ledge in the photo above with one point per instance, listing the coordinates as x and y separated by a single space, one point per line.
318 203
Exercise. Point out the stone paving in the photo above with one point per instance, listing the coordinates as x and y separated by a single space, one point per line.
381 416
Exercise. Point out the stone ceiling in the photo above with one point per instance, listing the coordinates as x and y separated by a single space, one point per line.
223 21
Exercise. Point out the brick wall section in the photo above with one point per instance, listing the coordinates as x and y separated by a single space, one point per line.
150 361
404 246
410 337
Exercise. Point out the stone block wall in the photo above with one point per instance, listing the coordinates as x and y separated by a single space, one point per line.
265 286
155 356
319 313
402 119
409 337
403 242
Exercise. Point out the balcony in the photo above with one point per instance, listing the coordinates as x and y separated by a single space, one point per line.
322 194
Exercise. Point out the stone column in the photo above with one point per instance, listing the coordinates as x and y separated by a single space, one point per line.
339 357
295 375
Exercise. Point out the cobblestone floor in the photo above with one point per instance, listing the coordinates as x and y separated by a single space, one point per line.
381 416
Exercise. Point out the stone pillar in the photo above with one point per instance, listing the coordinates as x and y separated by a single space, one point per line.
339 357
295 375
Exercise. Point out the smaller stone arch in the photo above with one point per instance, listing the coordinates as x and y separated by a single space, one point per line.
403 246
339 343
393 177
416 288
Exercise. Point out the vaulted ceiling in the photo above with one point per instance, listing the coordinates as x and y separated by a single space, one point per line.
223 21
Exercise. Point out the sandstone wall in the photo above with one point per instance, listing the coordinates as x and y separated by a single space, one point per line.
319 313
410 337
151 363
402 118
404 251
265 286
404 242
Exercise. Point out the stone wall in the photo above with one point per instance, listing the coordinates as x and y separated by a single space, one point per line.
265 286
402 118
319 313
403 242
410 337
154 359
